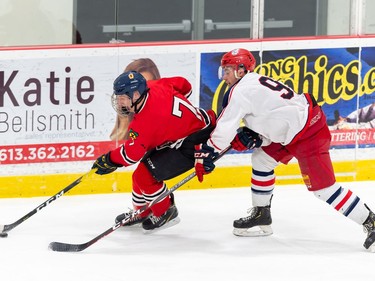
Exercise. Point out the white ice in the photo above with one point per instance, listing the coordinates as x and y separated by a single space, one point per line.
311 241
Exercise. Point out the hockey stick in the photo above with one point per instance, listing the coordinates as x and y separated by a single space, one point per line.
6 228
66 247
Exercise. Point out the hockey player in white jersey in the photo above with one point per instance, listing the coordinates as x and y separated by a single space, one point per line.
279 125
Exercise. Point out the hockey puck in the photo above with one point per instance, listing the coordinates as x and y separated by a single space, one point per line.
3 234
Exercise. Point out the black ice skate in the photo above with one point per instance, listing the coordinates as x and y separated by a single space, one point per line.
168 219
369 228
258 223
133 220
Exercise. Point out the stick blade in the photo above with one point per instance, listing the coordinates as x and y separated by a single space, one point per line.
5 227
65 247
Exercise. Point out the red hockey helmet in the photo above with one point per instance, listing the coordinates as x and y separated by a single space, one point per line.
238 58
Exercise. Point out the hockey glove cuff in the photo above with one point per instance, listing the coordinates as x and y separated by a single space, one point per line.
104 165
204 160
246 139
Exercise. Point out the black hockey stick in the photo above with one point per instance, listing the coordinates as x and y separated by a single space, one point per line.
66 247
7 227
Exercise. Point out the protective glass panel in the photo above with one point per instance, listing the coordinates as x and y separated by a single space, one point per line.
227 19
36 22
290 18
369 27
49 22
338 17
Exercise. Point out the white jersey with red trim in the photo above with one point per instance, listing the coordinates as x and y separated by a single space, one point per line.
266 106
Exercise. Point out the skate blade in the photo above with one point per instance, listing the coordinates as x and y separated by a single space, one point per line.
164 226
371 248
261 230
132 227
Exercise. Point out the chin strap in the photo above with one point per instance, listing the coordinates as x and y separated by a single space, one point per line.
139 102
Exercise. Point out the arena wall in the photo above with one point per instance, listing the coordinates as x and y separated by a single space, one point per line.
56 114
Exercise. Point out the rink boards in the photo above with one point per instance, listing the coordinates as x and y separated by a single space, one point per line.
232 176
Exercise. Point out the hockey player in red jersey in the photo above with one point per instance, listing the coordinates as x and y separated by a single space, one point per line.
280 125
162 135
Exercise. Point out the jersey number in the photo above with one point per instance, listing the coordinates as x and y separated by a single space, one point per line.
285 92
177 103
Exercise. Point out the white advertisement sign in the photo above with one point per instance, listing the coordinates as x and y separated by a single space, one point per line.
55 105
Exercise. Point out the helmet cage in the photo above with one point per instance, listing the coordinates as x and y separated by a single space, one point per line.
121 110
224 70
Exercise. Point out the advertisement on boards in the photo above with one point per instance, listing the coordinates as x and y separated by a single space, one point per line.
55 106
341 79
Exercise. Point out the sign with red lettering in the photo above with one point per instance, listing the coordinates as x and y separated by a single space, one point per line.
350 137
53 152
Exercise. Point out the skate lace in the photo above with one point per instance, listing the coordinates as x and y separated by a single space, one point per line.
369 227
131 216
252 214
155 219
369 224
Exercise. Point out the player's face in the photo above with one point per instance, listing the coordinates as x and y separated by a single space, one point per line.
124 101
229 75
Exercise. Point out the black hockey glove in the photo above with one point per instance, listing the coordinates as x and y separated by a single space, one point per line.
204 160
246 139
105 165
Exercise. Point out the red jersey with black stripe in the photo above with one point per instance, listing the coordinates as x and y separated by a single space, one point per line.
165 117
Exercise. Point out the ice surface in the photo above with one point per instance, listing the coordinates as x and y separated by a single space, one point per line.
310 241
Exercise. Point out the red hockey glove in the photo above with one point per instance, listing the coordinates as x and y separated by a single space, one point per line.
212 116
105 165
246 139
204 160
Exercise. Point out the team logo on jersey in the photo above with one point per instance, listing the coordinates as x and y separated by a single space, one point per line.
133 135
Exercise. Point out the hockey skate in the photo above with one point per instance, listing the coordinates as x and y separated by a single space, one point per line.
369 229
133 220
168 219
258 223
